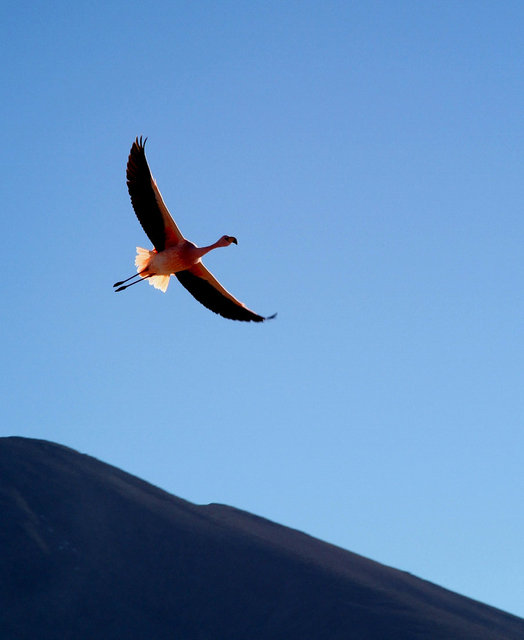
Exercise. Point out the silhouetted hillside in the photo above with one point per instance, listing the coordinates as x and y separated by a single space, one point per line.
88 551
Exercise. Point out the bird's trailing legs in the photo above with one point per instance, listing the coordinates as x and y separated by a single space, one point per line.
136 275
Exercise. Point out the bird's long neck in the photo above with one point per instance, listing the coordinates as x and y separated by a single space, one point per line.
203 250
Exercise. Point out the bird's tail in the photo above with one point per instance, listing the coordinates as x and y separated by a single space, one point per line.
142 260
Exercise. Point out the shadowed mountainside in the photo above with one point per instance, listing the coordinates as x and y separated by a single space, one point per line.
89 551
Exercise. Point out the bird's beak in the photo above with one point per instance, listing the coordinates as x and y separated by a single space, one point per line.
233 240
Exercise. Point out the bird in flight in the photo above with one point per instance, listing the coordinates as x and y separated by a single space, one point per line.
173 254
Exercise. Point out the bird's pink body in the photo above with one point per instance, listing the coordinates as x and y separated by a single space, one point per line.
158 266
178 258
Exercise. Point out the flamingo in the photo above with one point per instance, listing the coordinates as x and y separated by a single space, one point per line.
173 254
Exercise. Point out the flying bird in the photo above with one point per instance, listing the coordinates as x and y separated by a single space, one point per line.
173 254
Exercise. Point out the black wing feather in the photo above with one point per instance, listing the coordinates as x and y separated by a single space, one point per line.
207 295
140 186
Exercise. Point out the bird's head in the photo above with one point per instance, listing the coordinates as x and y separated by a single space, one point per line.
225 241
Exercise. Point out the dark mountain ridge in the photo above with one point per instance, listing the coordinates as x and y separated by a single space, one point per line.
89 551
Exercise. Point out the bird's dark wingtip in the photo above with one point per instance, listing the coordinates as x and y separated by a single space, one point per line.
271 317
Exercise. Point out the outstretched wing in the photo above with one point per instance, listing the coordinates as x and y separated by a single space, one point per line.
147 202
208 291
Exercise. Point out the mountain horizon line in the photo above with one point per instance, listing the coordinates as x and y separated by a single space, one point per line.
88 550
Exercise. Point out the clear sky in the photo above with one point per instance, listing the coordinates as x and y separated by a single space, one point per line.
368 156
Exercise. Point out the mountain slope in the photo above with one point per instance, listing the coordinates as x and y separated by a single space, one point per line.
89 551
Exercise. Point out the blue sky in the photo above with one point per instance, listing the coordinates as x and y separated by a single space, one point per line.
368 157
